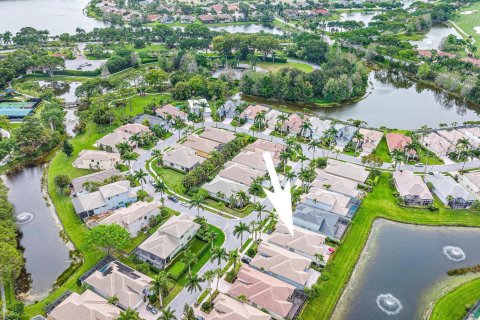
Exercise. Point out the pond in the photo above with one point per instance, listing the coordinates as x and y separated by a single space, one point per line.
46 254
400 264
434 37
359 16
247 28
395 101
56 16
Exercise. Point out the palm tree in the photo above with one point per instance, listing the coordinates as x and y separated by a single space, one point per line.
159 284
464 156
302 159
209 275
462 144
281 119
194 284
140 176
260 208
253 229
305 127
123 147
129 314
135 139
220 195
168 314
358 137
197 201
234 256
319 258
331 134
410 147
129 157
113 300
211 236
314 144
219 254
242 198
158 155
239 230
398 157
284 156
189 258
160 187
290 175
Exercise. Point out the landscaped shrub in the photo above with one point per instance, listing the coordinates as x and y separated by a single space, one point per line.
80 73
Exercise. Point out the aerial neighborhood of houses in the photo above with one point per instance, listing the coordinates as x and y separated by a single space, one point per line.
224 162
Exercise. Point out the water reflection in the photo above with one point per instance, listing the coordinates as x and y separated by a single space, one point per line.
434 37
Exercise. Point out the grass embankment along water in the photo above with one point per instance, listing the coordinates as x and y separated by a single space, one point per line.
381 203
468 21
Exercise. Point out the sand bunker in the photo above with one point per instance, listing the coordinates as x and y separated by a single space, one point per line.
477 29
468 12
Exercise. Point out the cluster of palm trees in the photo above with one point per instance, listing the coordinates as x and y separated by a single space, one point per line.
126 153
238 200
139 177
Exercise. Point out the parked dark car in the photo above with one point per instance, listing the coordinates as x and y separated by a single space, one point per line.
174 199
152 309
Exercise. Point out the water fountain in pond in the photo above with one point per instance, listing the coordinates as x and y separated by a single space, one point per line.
454 253
25 217
389 304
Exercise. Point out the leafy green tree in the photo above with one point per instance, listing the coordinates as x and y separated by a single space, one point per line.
107 238
62 181
67 148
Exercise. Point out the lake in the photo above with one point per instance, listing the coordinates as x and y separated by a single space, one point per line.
247 28
395 101
434 37
399 265
46 254
56 16
360 16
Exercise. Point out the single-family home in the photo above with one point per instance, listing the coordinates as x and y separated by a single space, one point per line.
344 134
78 184
167 111
227 308
471 181
187 19
271 119
262 146
222 189
319 127
206 18
115 279
251 111
452 136
160 248
449 191
284 265
264 291
150 120
473 135
134 217
85 306
203 147
109 142
96 159
336 184
412 189
294 123
218 8
370 140
240 173
323 222
217 135
398 141
438 145
253 160
304 242
182 158
153 17
134 128
108 197
347 170
233 7
329 201
224 17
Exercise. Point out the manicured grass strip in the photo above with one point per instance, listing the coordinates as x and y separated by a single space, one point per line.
468 21
380 203
382 151
453 304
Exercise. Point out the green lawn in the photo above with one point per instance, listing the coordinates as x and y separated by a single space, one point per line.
468 21
271 66
180 284
452 305
380 203
382 151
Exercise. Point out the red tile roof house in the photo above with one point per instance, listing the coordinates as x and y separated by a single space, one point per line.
218 8
233 7
400 141
263 291
224 17
206 18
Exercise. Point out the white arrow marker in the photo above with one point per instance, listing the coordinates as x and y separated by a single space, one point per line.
280 199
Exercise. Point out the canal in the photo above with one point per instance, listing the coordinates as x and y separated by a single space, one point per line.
46 254
399 265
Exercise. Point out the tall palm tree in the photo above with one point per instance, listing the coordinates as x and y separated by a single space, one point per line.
464 156
211 236
358 137
281 119
462 144
189 258
302 159
398 157
242 198
331 134
260 208
197 201
160 187
412 146
141 177
128 157
123 147
314 144
159 284
129 314
234 256
219 254
209 275
194 284
239 230
168 314
253 229
290 175
305 127
158 155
